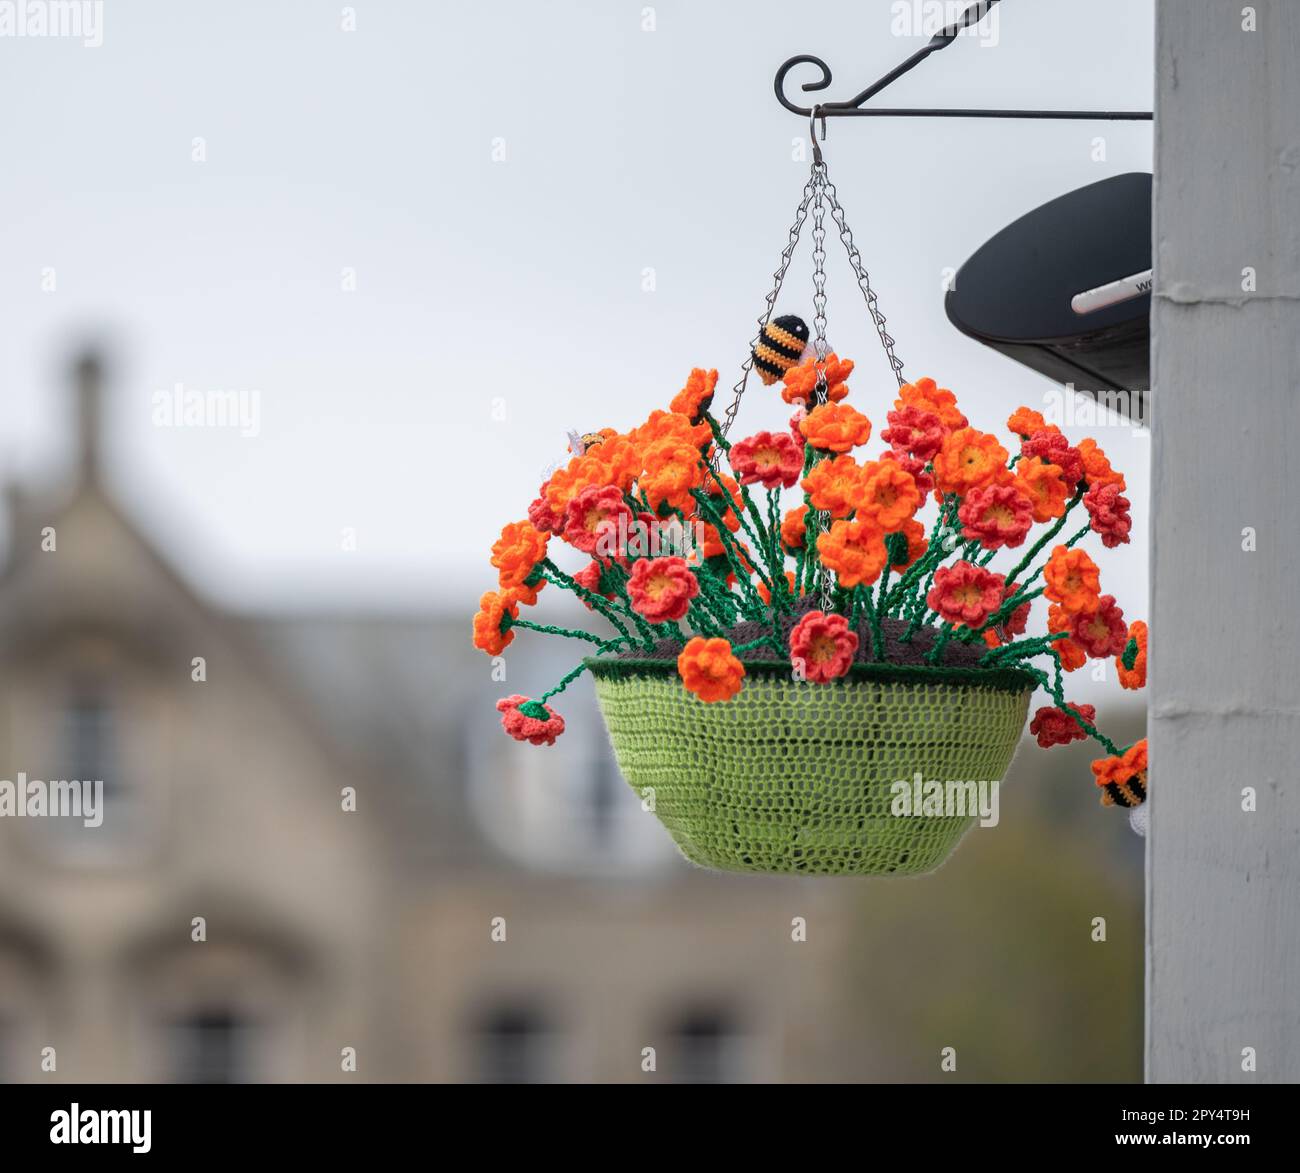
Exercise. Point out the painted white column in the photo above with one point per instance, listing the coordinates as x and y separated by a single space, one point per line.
1223 883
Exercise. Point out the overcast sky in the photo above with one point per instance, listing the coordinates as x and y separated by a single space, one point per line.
479 277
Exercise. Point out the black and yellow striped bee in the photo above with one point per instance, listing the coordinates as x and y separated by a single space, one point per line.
780 345
579 444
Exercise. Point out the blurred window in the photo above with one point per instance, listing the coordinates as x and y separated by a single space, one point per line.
705 1048
211 1045
513 1044
89 739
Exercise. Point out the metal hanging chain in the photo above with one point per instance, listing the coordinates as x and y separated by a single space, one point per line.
820 346
779 276
864 281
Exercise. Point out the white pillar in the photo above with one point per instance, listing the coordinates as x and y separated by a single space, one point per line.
1223 885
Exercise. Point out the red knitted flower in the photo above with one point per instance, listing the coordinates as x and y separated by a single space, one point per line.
915 431
797 417
1102 632
662 588
997 515
590 578
542 515
1109 513
1051 447
965 593
1018 620
1054 726
771 459
594 514
534 729
823 646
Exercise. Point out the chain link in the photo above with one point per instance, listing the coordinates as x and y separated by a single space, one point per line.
864 281
795 229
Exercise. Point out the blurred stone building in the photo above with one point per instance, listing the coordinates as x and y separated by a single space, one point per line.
315 838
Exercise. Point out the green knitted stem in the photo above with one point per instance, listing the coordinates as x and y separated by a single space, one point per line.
794 777
1130 654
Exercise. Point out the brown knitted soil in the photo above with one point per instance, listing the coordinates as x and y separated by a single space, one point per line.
955 654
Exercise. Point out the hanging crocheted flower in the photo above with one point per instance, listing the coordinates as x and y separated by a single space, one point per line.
662 588
529 721
517 552
1052 447
1072 579
672 470
889 495
969 458
1018 620
1025 422
1101 632
823 646
593 517
794 528
1109 514
836 427
914 431
771 459
801 381
965 594
855 550
1131 663
1072 654
1044 485
669 425
1053 726
693 400
709 670
996 515
835 486
907 545
1096 466
916 469
493 609
1123 779
929 396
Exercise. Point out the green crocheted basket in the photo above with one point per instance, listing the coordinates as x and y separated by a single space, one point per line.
796 777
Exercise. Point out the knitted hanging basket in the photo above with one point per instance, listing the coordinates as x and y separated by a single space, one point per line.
796 777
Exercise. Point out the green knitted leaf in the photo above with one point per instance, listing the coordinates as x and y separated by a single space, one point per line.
792 777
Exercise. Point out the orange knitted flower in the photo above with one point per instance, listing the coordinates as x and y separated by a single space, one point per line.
1123 779
929 396
669 425
1136 676
1045 487
835 427
835 486
855 550
493 608
709 670
693 400
1073 580
517 552
1025 422
1072 654
968 459
890 495
801 381
793 527
1096 466
672 470
823 646
913 532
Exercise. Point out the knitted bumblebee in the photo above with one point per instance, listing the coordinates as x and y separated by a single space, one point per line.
780 345
578 444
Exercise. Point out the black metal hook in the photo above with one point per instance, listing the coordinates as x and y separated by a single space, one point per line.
941 40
